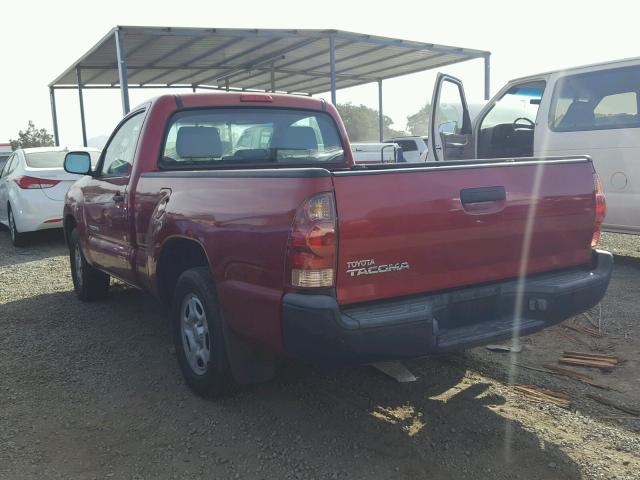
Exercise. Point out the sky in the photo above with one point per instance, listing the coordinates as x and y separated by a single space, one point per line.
40 39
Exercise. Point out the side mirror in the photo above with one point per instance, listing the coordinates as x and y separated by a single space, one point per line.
78 163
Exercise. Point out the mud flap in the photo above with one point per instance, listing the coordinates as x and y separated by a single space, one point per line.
250 363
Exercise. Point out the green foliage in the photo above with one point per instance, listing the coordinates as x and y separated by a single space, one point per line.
32 137
361 123
418 123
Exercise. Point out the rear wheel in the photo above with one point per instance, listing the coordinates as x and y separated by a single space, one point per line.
89 283
18 239
198 334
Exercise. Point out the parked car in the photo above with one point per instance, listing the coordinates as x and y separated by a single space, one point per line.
32 188
591 110
295 250
372 153
414 148
5 153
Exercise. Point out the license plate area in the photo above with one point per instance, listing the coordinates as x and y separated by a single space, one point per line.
461 309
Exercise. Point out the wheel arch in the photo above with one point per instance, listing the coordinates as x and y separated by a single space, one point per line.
69 223
176 255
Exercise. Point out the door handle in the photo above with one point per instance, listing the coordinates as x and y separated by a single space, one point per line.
118 198
483 194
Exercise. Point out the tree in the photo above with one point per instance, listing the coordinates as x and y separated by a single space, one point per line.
361 123
32 137
418 123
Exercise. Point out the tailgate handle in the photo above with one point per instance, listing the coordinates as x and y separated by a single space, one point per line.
483 194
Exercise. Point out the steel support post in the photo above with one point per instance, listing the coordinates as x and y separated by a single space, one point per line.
332 61
54 116
83 124
380 114
487 77
122 72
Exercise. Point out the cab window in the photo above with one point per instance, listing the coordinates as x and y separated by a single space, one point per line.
118 155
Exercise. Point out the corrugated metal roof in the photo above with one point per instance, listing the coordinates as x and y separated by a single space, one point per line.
298 59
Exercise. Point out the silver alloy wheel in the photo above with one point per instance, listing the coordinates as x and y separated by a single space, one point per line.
77 261
195 334
12 226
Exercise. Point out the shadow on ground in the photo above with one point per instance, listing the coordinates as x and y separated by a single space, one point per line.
43 244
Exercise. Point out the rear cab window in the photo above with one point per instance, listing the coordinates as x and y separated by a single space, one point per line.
600 100
222 137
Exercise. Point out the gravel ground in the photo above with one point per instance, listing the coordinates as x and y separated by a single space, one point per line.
93 391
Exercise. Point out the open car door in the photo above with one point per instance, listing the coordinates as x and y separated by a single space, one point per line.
450 132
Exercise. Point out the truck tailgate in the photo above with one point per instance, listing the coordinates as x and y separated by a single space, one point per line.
408 231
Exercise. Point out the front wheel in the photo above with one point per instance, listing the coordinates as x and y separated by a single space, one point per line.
18 239
89 283
198 334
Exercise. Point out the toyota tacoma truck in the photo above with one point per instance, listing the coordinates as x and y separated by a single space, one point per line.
245 214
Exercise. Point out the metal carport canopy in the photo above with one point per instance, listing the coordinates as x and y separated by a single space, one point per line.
293 61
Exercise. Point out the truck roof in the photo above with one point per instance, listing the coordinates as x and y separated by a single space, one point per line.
579 67
246 99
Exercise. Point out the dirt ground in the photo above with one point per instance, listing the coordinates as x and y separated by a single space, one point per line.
94 391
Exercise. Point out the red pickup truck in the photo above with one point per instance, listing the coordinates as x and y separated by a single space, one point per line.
246 214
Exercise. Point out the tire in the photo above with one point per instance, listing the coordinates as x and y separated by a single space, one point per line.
18 239
89 283
198 334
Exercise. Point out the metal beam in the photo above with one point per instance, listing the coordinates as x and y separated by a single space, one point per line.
108 87
380 114
231 59
313 86
115 66
396 42
273 79
81 99
255 63
360 65
319 54
122 72
170 53
313 74
54 116
487 76
332 67
192 61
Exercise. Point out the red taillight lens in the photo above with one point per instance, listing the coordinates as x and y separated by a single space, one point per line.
25 182
311 255
601 210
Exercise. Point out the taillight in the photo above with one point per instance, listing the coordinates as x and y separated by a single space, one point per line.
25 182
601 210
311 255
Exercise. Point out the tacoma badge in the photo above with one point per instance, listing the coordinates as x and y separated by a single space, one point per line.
369 267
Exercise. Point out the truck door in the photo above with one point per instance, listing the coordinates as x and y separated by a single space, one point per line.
450 132
106 201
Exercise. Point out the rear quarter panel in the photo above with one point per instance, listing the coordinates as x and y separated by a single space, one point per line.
243 223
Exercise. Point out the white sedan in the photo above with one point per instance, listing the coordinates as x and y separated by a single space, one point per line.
33 184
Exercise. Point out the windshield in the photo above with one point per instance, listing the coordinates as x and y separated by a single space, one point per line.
53 159
218 137
521 101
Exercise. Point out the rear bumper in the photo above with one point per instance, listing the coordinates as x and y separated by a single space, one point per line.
32 211
317 329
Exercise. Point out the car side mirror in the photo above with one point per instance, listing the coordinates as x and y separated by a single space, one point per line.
78 163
